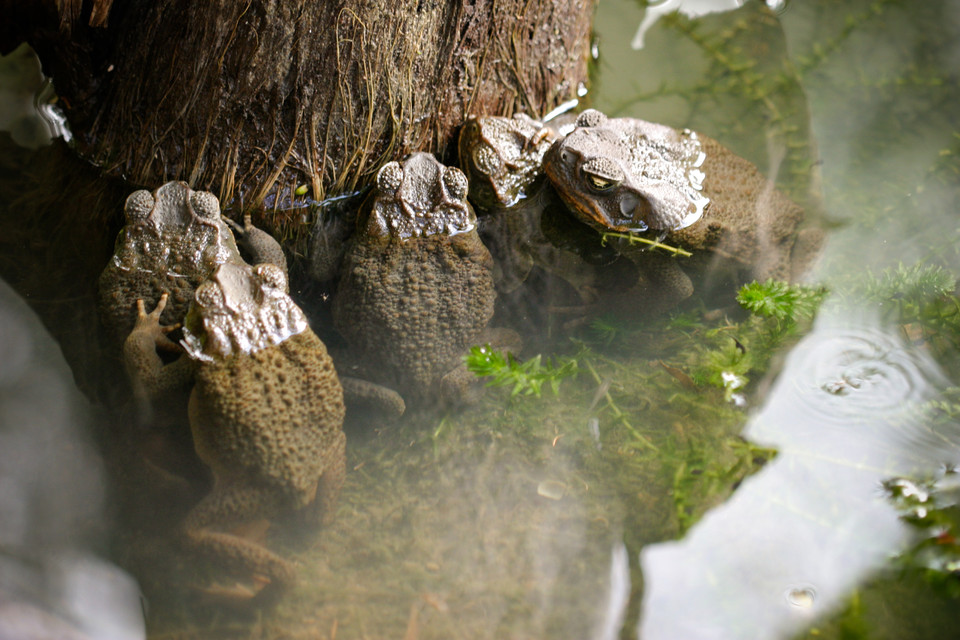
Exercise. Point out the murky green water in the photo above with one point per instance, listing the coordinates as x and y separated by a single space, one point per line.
715 474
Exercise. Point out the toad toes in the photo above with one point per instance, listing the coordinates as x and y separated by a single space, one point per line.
266 412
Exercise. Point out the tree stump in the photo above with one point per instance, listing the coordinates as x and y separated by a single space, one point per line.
285 102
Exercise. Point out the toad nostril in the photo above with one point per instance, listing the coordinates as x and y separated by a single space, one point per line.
635 210
628 203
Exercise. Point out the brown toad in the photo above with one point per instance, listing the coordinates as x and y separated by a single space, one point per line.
266 412
173 239
503 158
624 174
416 287
629 175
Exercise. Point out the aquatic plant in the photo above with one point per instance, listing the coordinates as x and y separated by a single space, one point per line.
918 293
784 302
633 238
525 378
727 354
931 507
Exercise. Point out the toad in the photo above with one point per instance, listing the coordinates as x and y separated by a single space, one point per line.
631 176
266 412
623 174
174 238
416 287
503 159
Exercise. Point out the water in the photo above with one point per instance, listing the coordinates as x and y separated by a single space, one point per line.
54 578
629 506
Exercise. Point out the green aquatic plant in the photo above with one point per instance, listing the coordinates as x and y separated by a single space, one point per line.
915 284
632 238
525 378
607 330
701 474
784 302
918 293
932 508
726 355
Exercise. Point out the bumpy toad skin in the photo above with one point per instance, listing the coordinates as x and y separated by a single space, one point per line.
173 239
711 202
416 289
624 174
266 413
749 224
502 158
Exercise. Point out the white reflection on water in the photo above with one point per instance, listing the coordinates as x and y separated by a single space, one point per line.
619 596
690 8
51 584
797 537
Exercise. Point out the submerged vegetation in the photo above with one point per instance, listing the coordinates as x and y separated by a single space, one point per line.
524 378
632 238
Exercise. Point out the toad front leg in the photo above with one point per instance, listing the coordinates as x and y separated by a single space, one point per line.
259 245
148 374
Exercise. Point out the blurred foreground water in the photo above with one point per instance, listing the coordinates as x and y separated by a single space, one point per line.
54 582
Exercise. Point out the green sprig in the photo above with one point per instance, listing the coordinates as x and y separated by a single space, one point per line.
635 239
526 378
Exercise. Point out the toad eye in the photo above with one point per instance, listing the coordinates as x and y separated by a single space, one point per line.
601 174
600 184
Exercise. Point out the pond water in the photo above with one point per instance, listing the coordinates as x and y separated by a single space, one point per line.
714 474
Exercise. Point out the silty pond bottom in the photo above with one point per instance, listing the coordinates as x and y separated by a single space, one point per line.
778 468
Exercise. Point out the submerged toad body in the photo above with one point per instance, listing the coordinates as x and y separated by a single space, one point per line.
416 288
266 411
503 158
174 238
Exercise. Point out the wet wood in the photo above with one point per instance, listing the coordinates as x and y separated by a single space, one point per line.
254 99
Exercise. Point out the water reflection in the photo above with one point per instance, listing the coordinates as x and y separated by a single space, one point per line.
691 8
51 584
796 538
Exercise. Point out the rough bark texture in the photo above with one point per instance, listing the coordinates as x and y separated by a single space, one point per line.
252 99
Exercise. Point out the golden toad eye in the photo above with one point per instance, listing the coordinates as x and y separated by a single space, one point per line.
601 174
600 184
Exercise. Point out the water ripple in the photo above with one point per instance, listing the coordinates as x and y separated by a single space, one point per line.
860 371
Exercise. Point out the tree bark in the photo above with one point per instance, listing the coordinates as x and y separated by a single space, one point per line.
254 99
